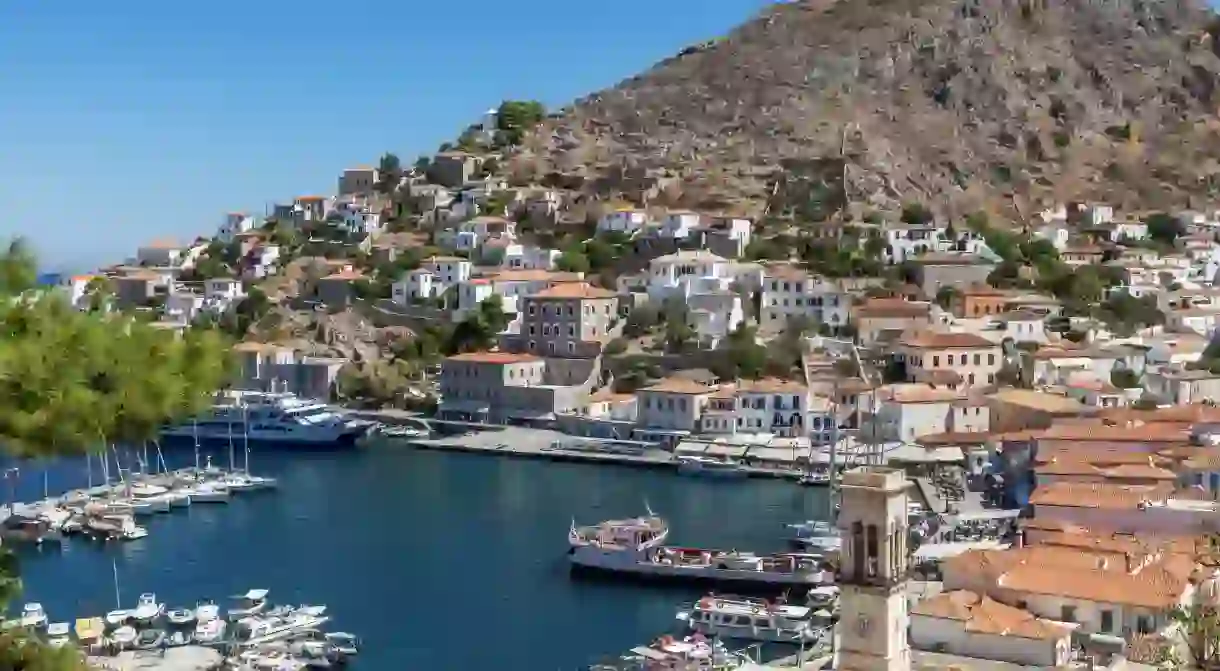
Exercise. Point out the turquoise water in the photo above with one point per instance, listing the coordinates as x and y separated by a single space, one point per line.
436 560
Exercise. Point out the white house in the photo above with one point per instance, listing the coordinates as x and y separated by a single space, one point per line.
222 289
624 220
678 224
789 292
772 406
1056 232
234 224
447 271
474 233
183 305
686 272
529 257
76 288
714 315
414 285
161 253
964 623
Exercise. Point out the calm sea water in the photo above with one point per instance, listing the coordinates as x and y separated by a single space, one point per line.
435 560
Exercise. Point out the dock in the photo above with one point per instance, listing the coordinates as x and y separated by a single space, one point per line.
185 658
546 444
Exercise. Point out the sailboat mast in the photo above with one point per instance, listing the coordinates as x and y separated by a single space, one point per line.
195 430
231 438
246 436
118 601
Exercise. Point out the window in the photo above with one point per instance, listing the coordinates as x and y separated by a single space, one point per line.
571 347
936 361
1107 621
532 309
857 549
571 331
990 359
1069 614
533 345
1143 624
978 359
533 329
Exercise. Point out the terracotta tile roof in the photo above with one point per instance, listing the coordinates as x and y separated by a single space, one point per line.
609 396
1096 495
1180 413
917 393
494 357
1098 455
1054 404
346 274
1140 472
1117 434
892 307
955 438
533 276
939 340
983 615
1157 586
771 385
164 243
574 290
676 385
1067 467
310 199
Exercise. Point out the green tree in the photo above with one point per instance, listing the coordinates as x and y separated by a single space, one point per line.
744 357
916 214
515 117
641 320
389 170
678 333
75 380
1165 228
573 261
945 296
1124 378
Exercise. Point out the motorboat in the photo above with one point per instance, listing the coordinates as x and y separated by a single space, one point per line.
89 630
257 631
816 535
269 660
150 639
180 498
826 596
58 634
147 609
33 616
181 616
122 527
814 479
19 528
691 652
118 618
710 467
206 612
344 644
211 631
237 482
210 492
250 603
124 636
750 620
260 482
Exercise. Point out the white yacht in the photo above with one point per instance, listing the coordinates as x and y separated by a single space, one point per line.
210 492
181 616
688 654
124 636
750 620
258 631
33 616
250 603
58 634
206 612
710 467
270 419
118 618
633 547
147 609
210 631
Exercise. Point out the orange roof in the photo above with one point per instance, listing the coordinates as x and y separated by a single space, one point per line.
940 340
1116 434
1160 585
164 243
82 278
310 199
892 307
574 290
494 357
918 393
533 276
983 615
1141 472
771 385
677 385
1096 495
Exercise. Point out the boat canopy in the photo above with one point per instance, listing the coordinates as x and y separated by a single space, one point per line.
256 594
89 627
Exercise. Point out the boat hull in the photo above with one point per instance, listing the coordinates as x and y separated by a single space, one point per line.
184 439
712 473
761 634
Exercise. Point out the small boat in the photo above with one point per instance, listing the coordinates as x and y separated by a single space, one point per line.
180 498
118 618
237 482
57 634
33 616
89 630
181 616
751 620
150 639
210 492
250 603
710 467
148 609
814 479
206 612
258 631
259 482
210 631
692 652
124 636
345 644
826 596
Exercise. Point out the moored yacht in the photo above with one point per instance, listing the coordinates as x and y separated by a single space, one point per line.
692 653
273 419
633 548
147 609
58 634
710 467
33 616
750 620
250 603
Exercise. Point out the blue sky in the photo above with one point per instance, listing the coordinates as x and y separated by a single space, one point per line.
125 121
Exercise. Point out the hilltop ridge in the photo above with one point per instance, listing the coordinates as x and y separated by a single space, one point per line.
960 104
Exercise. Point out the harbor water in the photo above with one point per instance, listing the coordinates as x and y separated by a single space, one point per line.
436 560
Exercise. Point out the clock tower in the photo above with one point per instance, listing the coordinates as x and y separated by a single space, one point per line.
873 618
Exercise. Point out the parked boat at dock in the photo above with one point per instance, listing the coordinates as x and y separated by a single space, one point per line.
710 467
147 609
33 616
58 634
272 420
633 548
751 620
692 653
250 603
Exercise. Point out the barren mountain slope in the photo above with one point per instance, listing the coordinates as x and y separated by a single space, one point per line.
955 103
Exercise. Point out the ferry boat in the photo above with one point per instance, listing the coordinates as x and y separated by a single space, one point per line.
751 620
693 653
271 419
633 548
710 467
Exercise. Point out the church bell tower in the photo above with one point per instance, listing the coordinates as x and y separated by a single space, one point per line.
873 565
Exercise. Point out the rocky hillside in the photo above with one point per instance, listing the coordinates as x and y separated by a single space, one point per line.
959 104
